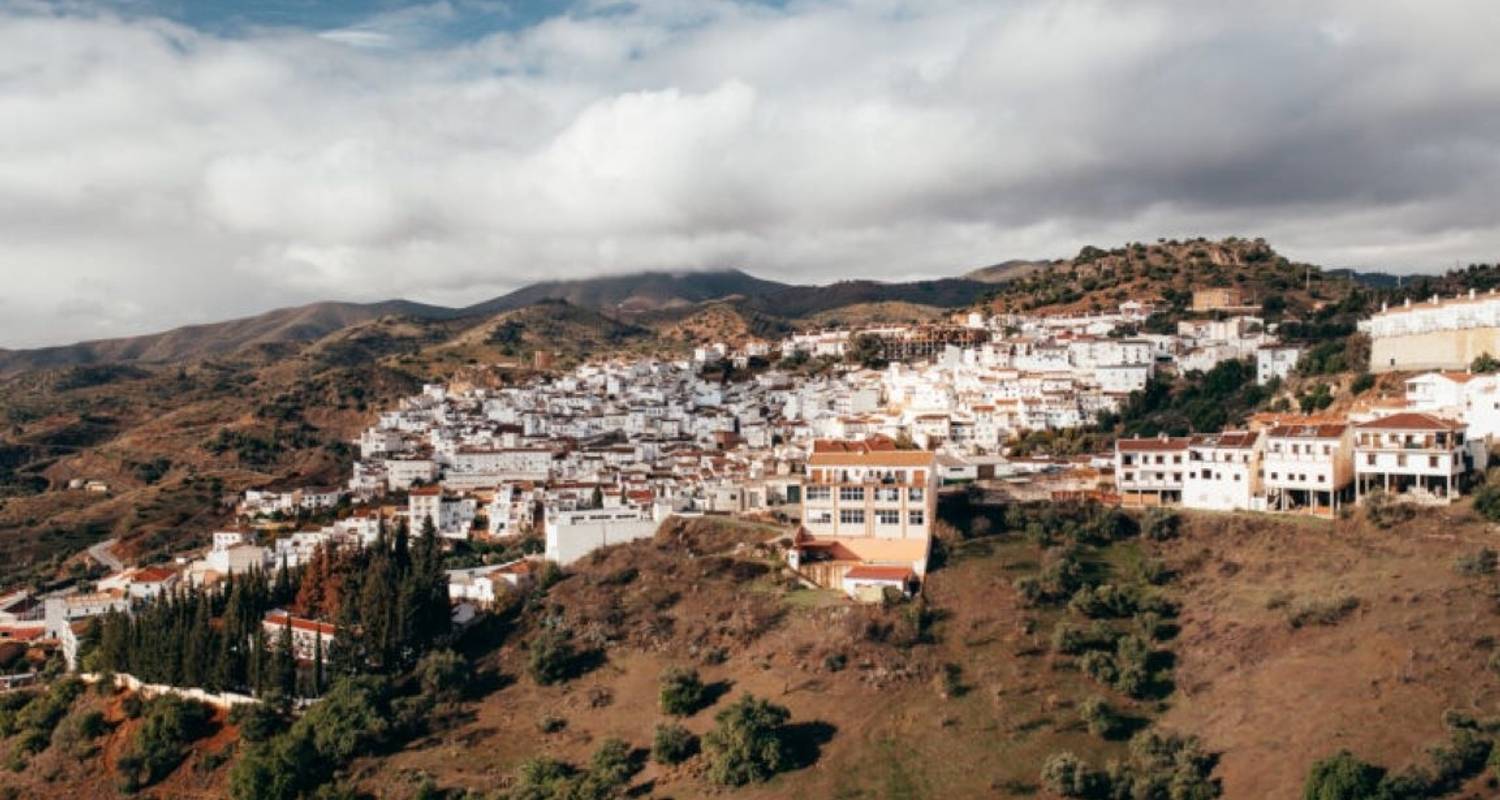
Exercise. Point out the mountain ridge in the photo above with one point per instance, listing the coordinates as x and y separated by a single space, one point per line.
622 295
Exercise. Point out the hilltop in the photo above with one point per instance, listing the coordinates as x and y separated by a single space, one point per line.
1167 272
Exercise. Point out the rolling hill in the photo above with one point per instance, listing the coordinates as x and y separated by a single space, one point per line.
621 296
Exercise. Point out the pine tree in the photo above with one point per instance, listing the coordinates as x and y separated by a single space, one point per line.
317 676
286 660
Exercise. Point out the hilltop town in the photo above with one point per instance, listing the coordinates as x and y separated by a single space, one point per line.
851 463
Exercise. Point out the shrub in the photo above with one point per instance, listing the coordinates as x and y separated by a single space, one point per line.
1072 640
682 692
444 675
747 744
1482 562
1487 502
1341 776
1105 600
673 744
1384 511
168 723
1067 775
75 736
1161 524
1101 720
611 764
1323 611
551 723
257 721
550 658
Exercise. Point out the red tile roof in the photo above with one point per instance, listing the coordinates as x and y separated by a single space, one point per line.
1410 421
1237 439
153 574
278 618
1327 431
1155 444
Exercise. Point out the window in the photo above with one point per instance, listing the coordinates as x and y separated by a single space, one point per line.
1432 461
851 493
1322 478
820 518
917 517
851 516
816 493
914 494
1370 459
1130 476
887 517
889 495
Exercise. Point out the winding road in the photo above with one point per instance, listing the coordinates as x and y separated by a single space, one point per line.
100 553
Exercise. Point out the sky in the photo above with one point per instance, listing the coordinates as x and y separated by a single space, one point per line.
165 162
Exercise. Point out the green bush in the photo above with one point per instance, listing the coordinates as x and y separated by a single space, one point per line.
257 722
747 744
1067 775
550 657
673 744
444 675
1384 511
682 692
1481 562
352 718
1101 719
1322 611
1161 524
168 723
1487 502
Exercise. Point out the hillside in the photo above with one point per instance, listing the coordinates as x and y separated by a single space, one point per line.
1167 272
1006 270
1278 640
634 293
194 342
770 305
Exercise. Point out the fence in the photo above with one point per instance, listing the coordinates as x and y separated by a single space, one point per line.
223 700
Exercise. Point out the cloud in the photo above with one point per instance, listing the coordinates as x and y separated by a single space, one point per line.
154 174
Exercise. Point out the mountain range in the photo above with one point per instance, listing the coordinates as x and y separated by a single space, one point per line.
619 296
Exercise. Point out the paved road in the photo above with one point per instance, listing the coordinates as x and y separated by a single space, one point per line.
100 553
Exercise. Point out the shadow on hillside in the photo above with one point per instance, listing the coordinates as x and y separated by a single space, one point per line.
486 683
805 741
713 692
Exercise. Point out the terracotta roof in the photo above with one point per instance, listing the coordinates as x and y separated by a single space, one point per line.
426 491
301 623
1227 439
153 574
1410 421
872 572
1154 444
885 458
1329 431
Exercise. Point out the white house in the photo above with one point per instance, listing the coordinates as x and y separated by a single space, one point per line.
1151 471
1308 467
1275 361
1223 472
571 535
1418 455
